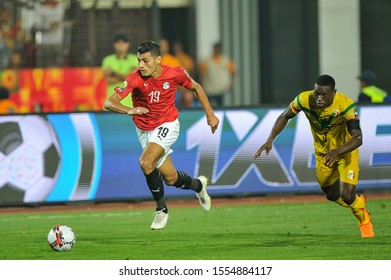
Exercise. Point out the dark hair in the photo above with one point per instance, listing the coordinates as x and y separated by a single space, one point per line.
326 80
121 37
218 47
149 46
367 76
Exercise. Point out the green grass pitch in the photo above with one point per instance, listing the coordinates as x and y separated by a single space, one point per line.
307 231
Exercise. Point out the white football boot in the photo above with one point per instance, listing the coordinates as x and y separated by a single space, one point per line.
203 196
160 220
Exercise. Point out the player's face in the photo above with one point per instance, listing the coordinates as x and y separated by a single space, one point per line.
148 63
323 96
121 47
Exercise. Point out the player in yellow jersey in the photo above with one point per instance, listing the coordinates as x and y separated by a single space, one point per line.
337 135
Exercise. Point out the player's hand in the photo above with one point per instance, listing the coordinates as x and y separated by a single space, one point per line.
213 122
138 111
331 157
265 147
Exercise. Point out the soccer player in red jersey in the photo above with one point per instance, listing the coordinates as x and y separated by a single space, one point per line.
153 87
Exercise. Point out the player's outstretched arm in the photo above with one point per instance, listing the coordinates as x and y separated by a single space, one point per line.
278 126
200 94
113 103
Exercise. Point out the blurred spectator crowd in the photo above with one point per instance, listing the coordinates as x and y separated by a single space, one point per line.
39 34
34 34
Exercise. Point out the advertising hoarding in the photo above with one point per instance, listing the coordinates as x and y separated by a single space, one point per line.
94 156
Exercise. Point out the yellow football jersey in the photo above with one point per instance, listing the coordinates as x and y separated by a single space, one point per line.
328 125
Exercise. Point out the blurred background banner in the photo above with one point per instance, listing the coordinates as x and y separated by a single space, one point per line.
56 89
278 47
56 158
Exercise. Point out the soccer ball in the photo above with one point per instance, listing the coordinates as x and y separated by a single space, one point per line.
61 238
30 159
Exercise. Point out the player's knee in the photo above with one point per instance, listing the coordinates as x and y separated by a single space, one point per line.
171 180
332 191
348 194
332 197
146 166
348 198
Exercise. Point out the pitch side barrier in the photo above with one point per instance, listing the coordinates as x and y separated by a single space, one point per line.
69 157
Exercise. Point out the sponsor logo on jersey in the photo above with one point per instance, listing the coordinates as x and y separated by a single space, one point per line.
166 85
123 86
335 113
351 174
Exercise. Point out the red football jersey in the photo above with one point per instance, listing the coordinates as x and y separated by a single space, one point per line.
156 94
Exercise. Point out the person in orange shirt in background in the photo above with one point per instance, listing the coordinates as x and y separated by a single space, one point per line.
217 75
167 57
183 95
186 60
187 99
6 105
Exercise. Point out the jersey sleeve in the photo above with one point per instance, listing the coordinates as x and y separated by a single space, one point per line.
127 86
351 112
296 104
184 78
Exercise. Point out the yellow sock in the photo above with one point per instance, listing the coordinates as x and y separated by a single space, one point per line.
341 202
358 210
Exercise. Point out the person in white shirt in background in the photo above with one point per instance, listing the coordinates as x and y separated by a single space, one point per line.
49 33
